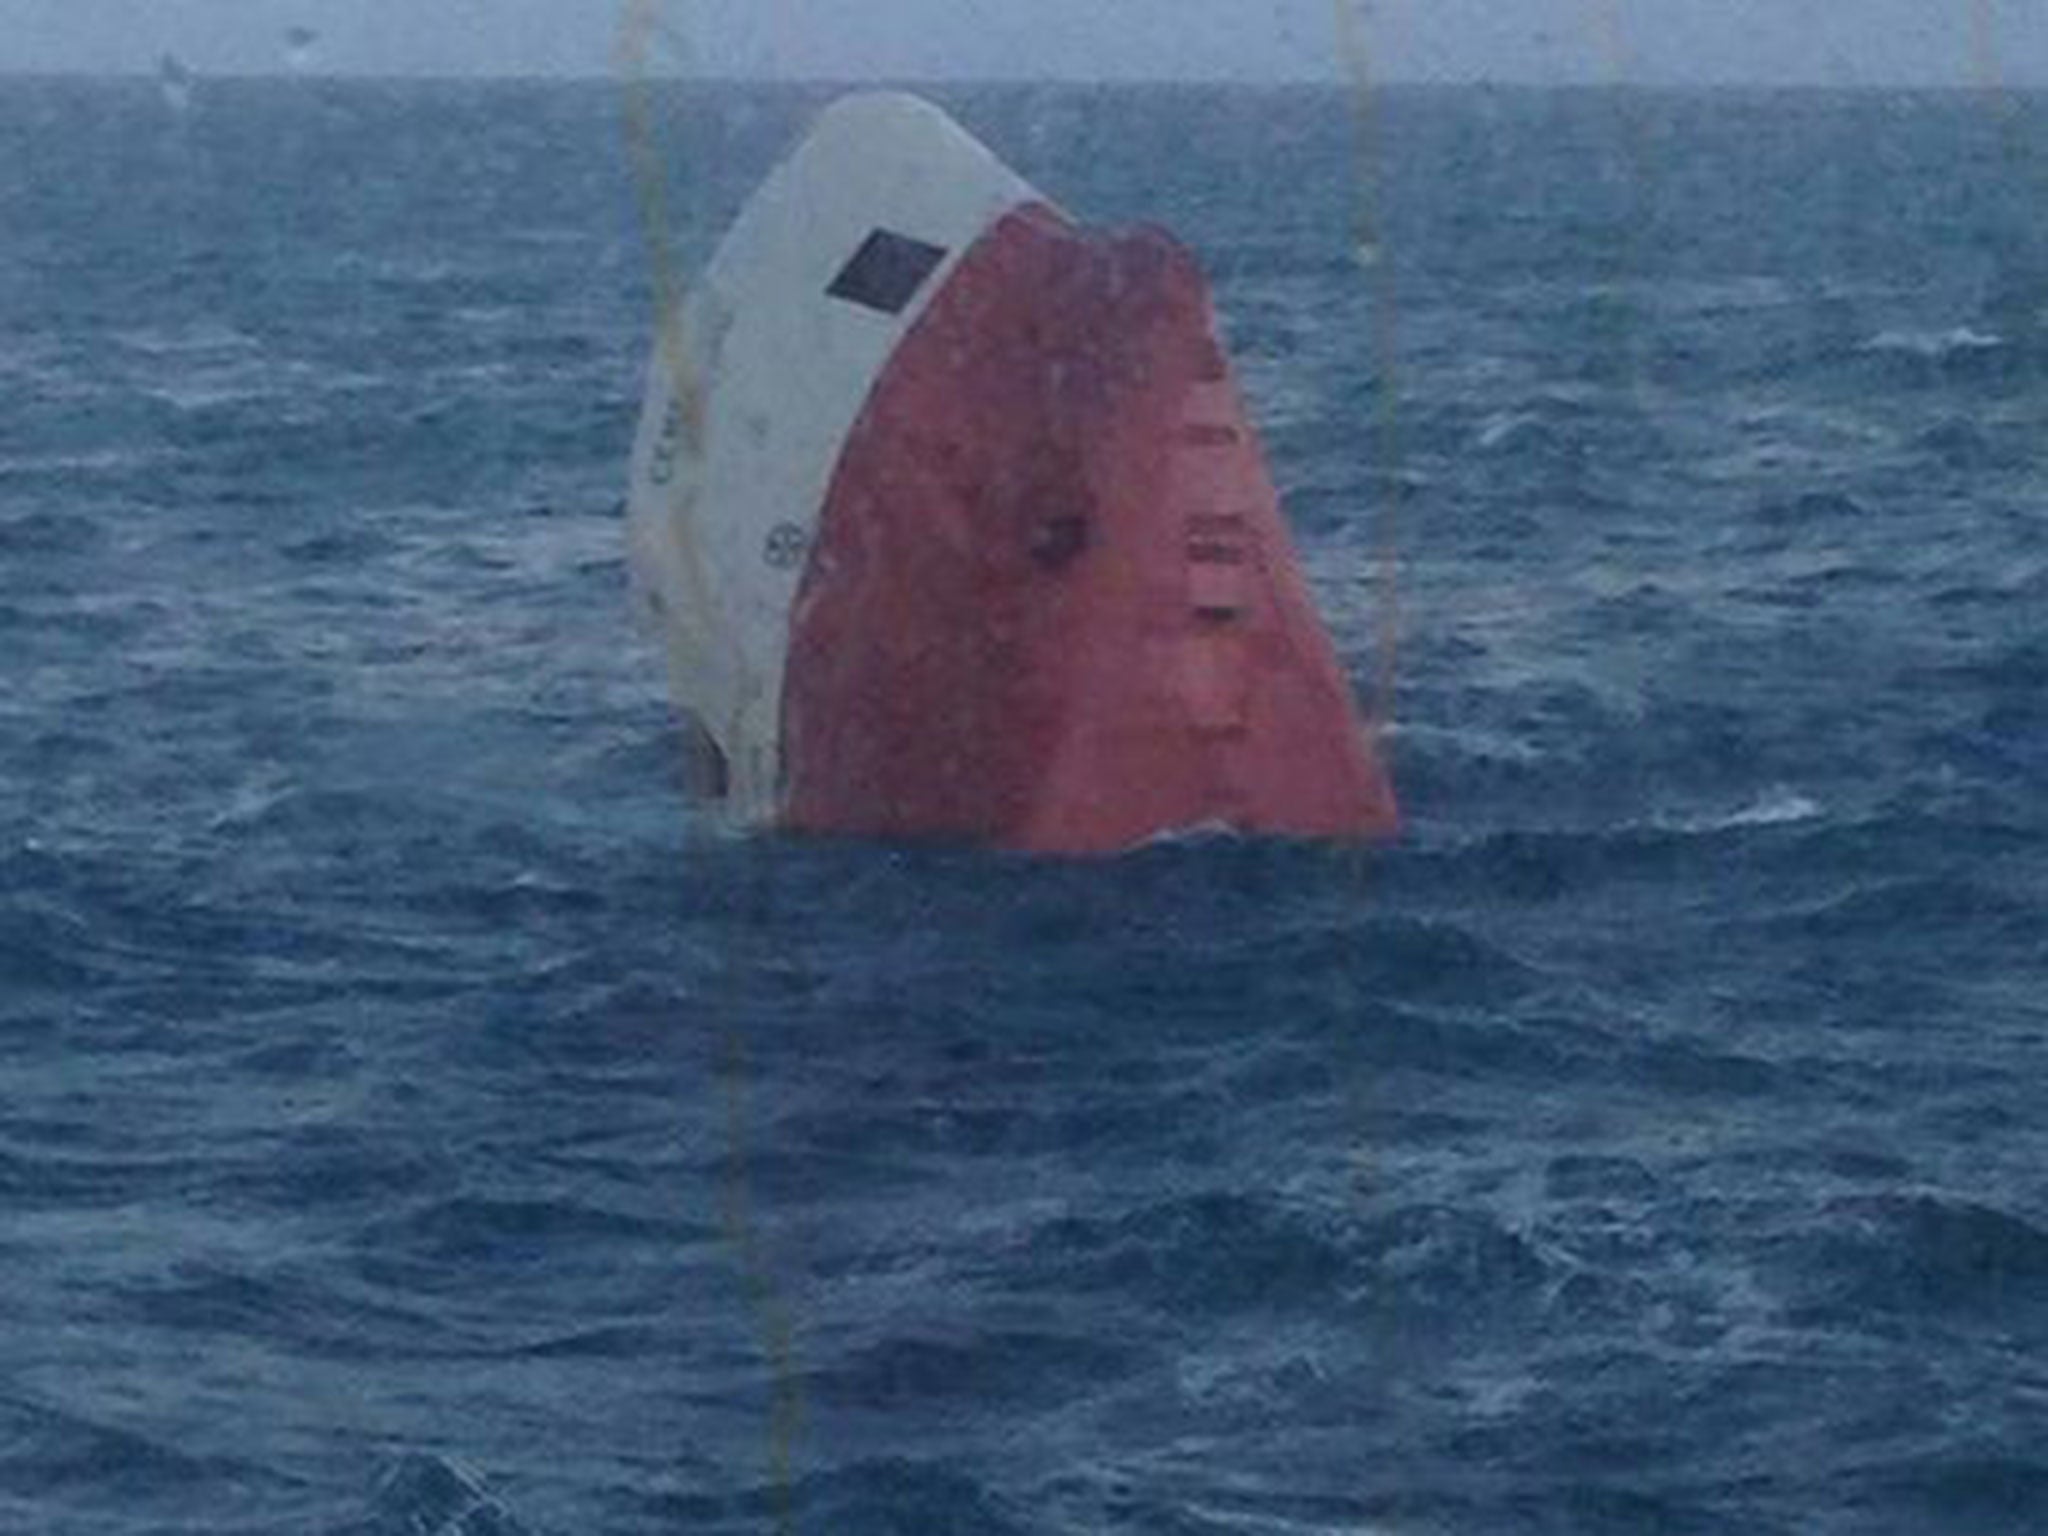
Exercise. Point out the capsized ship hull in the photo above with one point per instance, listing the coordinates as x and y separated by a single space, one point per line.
956 526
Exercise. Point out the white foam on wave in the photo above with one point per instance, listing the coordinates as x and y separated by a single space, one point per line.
1504 427
196 338
1193 834
1779 806
1467 742
1934 344
93 461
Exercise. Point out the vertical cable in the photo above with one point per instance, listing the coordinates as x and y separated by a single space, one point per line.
696 625
1368 246
640 23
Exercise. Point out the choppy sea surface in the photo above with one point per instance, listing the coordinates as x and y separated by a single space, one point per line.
416 1117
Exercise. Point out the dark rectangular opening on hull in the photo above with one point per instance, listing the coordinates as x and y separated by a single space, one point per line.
886 272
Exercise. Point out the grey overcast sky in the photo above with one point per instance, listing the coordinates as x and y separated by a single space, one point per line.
1845 42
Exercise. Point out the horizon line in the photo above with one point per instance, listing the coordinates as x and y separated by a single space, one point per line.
883 82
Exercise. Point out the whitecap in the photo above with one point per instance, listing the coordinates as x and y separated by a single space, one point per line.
1505 426
1191 834
1934 344
1779 806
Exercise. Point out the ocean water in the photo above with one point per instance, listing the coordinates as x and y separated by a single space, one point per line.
416 1117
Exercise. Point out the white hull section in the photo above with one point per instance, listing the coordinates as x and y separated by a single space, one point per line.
826 270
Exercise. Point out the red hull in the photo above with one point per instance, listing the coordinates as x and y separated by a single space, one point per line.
1052 604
